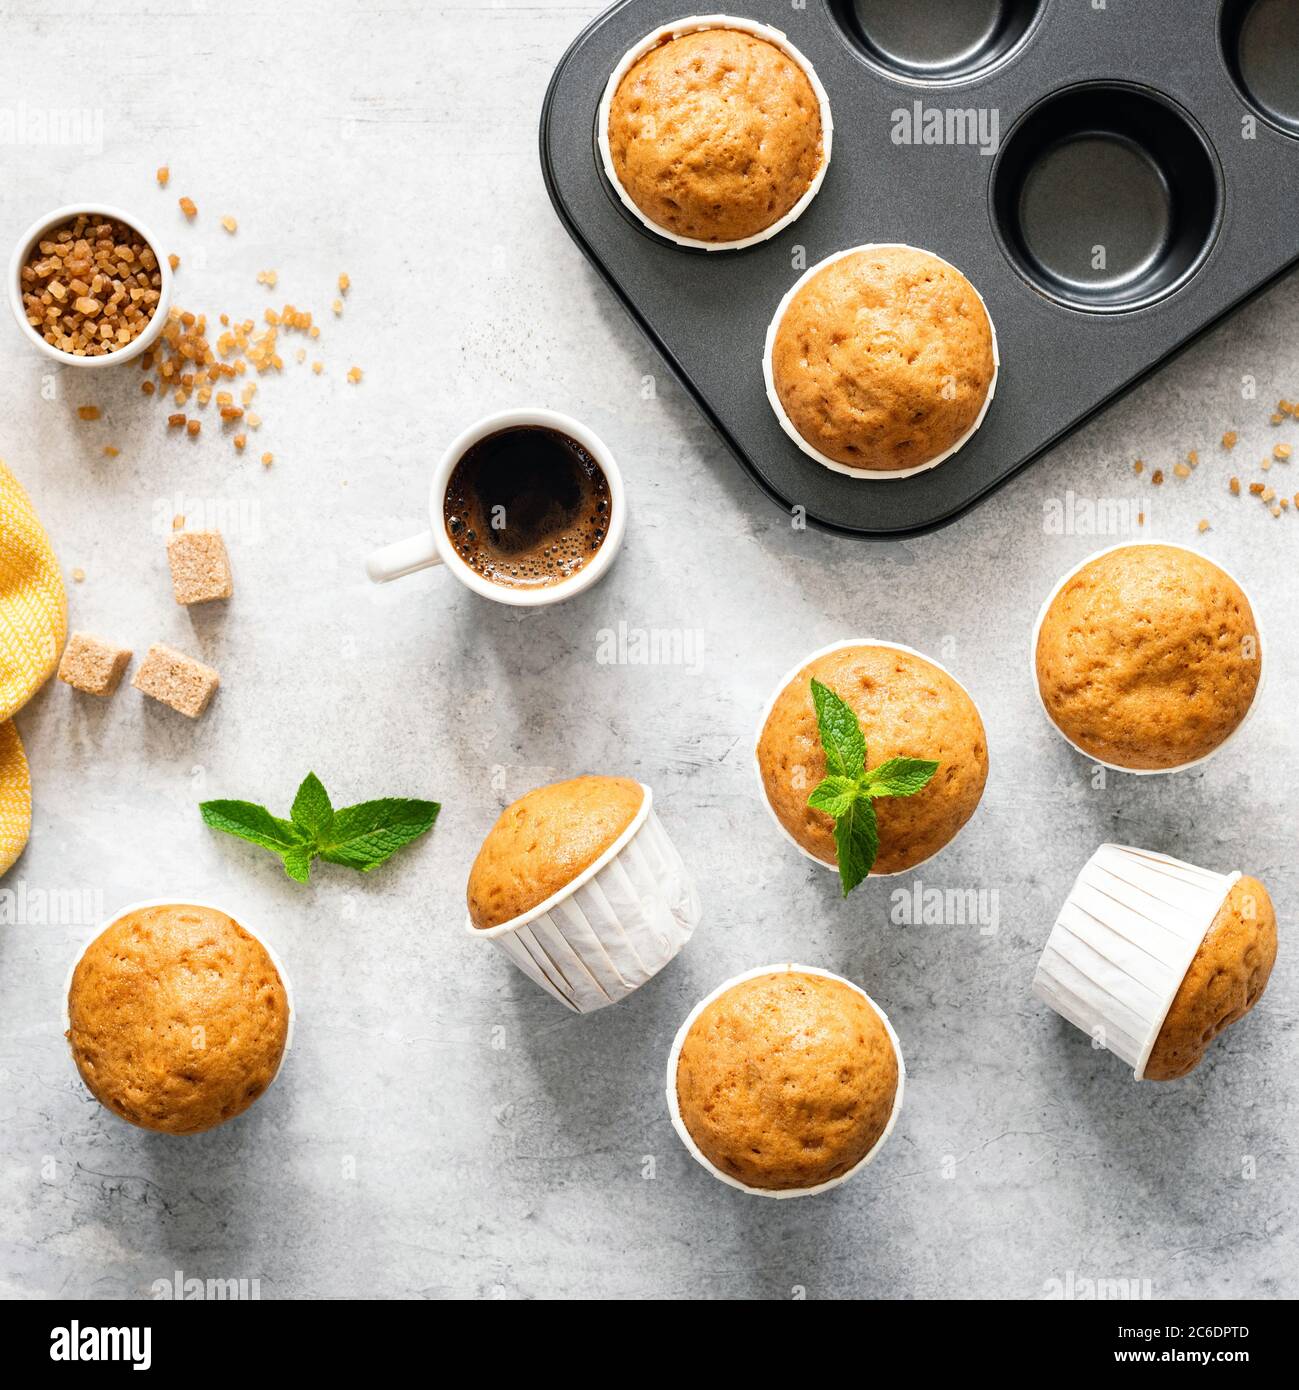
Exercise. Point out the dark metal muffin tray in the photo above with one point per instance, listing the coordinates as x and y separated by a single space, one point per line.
1139 191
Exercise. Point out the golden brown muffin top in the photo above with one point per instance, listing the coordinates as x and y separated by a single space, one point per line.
1148 657
715 135
1226 978
787 1080
178 1018
884 358
907 708
542 841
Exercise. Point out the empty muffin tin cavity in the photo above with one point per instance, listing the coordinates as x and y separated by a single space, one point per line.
1260 45
935 41
1106 196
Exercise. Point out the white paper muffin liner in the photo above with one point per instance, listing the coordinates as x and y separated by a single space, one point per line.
766 714
690 25
674 1108
1118 767
1122 945
182 900
615 926
873 475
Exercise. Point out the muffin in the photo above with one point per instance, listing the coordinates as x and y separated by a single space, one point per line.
1153 958
881 361
785 1080
579 884
177 1018
716 135
1227 977
1147 657
907 707
544 840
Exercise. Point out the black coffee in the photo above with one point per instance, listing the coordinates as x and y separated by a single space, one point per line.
527 507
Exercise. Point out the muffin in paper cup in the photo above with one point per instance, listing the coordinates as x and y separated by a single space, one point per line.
1058 589
612 927
1137 925
184 901
782 416
690 25
673 1098
788 679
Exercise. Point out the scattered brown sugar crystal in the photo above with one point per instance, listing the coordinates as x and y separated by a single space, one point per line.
88 412
178 522
110 452
177 680
240 441
1278 418
90 287
232 412
1276 510
1203 526
164 174
188 207
1281 453
200 567
175 422
1229 440
337 306
1181 470
1235 487
174 261
1138 466
1157 476
1256 489
1193 458
1267 494
354 375
92 665
193 426
268 277
230 224
79 575
268 459
317 367
344 283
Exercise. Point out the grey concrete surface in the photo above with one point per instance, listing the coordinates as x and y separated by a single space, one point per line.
442 1129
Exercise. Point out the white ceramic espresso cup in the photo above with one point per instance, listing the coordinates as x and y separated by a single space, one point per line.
433 547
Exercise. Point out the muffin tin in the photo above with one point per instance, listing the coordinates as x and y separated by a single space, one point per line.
1166 133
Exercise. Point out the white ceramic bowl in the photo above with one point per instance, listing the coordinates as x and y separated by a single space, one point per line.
51 222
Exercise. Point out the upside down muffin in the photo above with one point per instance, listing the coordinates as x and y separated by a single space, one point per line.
787 1080
1148 657
907 708
544 840
883 359
1226 978
178 1018
715 135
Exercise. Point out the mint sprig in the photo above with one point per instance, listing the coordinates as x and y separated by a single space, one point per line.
361 837
848 792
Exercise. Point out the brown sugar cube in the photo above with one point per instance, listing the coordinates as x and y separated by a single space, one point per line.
92 665
200 567
176 680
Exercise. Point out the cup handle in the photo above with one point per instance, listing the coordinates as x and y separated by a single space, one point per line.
403 558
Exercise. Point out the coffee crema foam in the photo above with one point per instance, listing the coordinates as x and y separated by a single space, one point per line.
527 507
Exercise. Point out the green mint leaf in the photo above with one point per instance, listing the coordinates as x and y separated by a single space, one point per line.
834 796
900 777
297 862
251 822
312 809
841 735
856 842
364 836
